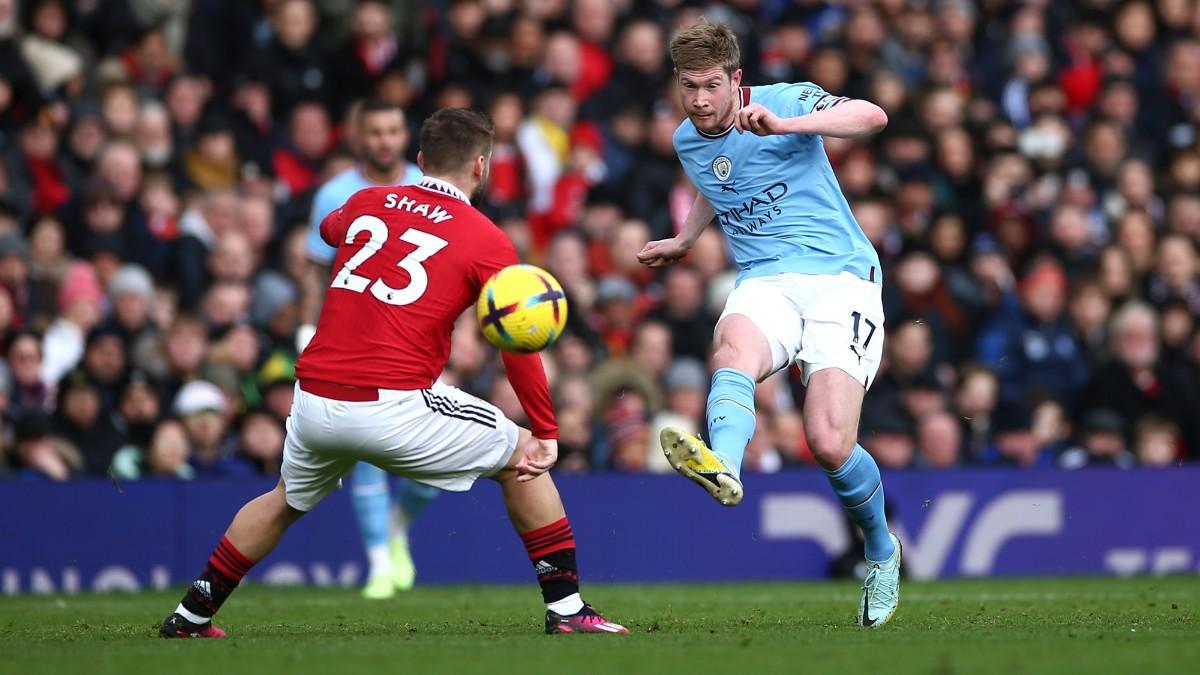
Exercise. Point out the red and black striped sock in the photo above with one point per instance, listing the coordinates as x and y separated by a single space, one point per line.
224 571
552 551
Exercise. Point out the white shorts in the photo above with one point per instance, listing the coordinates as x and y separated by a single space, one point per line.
442 437
818 321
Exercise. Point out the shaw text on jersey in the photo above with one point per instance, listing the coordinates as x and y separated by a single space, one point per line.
436 213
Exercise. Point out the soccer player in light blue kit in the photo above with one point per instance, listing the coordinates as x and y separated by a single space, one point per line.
809 285
382 137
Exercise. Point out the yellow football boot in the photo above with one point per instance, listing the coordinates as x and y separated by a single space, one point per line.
690 457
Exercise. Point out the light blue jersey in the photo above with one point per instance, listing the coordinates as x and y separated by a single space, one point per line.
332 195
776 197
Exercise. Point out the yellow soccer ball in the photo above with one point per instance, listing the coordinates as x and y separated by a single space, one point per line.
522 309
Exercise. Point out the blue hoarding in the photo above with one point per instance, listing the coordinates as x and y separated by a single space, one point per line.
93 535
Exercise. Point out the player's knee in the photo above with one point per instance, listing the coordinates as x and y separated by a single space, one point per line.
282 509
830 444
728 355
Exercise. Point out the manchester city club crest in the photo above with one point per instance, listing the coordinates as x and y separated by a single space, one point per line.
722 167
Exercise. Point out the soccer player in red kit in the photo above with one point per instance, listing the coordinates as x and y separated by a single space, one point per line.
410 260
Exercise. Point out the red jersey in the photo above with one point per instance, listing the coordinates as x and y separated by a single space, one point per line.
410 260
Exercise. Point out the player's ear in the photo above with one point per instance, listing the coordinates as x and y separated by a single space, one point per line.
736 78
421 161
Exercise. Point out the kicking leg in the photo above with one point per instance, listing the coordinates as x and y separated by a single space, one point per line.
537 514
831 414
372 500
412 499
743 356
254 532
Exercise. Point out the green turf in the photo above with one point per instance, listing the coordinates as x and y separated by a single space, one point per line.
1061 626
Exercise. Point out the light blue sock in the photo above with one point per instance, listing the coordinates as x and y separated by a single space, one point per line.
859 487
414 497
372 502
731 415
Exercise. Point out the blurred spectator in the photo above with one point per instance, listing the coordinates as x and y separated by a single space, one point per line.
297 163
291 60
1156 442
1135 383
627 431
138 411
684 313
1014 442
260 440
204 411
891 441
80 422
367 55
80 298
1102 443
165 456
1051 427
1032 348
104 362
939 438
39 455
30 393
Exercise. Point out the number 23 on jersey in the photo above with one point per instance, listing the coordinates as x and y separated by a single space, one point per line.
427 246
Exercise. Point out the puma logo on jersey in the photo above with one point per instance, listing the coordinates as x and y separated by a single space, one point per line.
435 213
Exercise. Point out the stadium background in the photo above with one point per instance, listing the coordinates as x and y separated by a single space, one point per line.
1035 200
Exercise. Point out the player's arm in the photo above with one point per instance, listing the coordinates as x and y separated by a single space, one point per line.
320 252
528 379
666 251
829 115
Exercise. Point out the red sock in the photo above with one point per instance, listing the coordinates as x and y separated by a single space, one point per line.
224 571
552 551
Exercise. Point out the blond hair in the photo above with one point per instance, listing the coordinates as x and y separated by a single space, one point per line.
706 45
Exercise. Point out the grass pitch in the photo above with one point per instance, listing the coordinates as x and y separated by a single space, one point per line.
994 626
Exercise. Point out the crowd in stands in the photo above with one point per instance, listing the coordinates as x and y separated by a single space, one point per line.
1035 200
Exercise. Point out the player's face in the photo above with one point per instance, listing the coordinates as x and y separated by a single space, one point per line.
383 139
709 97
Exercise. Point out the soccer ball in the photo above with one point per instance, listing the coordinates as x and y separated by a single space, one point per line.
522 309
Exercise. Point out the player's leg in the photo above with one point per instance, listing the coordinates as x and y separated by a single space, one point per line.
537 514
307 477
412 498
756 336
842 345
446 438
254 532
742 358
831 414
372 501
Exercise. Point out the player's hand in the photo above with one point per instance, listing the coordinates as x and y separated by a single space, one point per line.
538 460
758 121
663 252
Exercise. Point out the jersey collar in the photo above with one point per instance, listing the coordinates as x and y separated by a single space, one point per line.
442 187
744 100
